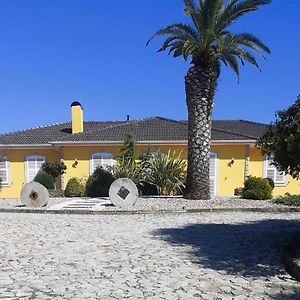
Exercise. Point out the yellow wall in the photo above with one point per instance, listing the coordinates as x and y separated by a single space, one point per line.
82 154
17 168
229 176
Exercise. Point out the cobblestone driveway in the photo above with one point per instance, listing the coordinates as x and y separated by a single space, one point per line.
185 256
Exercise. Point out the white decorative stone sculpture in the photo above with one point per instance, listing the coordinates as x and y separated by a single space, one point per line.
123 193
33 194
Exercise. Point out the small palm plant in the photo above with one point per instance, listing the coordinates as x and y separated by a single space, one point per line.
166 171
208 42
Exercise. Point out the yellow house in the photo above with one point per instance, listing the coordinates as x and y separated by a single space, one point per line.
84 146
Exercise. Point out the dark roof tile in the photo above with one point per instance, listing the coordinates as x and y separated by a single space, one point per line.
152 129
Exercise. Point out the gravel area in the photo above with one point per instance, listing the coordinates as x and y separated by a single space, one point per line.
157 203
173 256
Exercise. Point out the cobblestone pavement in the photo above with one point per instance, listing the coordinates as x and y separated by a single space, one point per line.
174 256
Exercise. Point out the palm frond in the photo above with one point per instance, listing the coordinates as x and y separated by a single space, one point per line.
236 9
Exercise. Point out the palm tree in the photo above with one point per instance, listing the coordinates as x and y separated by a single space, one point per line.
208 43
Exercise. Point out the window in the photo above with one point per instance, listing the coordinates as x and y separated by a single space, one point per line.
33 165
272 172
100 159
4 168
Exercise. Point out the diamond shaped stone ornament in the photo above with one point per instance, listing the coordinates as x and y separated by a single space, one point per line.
33 194
123 193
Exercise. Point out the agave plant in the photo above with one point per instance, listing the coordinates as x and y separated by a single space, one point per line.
167 172
207 42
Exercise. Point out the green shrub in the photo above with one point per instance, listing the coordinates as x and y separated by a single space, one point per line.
271 182
98 184
257 188
74 188
166 172
290 200
45 179
125 168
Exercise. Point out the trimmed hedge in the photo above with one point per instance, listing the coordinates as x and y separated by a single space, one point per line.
99 183
45 179
257 188
74 188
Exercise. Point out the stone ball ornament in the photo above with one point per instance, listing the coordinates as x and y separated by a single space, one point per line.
123 193
33 194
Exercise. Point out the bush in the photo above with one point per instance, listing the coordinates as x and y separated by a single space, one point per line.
45 179
98 184
74 188
290 200
257 188
166 172
271 182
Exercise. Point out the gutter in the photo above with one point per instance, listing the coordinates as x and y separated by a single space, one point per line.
55 144
158 142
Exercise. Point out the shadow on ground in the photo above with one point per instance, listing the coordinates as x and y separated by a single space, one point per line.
248 249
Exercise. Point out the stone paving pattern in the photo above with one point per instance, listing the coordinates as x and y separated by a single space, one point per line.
173 256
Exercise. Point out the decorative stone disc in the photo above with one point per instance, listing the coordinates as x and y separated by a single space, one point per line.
123 193
33 194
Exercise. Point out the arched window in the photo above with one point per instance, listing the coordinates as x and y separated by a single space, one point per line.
33 165
4 170
101 159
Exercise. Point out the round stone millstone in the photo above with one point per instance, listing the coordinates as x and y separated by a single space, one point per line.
33 194
123 193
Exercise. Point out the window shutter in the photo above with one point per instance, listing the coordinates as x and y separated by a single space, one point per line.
33 166
280 177
271 174
4 170
212 173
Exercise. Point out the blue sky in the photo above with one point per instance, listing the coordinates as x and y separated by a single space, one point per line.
56 51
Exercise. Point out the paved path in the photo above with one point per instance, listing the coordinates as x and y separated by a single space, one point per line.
186 256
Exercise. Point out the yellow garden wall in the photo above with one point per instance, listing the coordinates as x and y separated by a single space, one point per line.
16 159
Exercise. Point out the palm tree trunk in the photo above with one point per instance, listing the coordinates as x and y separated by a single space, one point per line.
200 85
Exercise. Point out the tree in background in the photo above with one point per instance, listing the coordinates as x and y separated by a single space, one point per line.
282 140
208 42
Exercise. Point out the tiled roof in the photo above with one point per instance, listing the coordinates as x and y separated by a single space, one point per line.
152 129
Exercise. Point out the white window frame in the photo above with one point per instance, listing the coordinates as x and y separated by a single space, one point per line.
30 157
215 155
268 161
101 154
6 169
